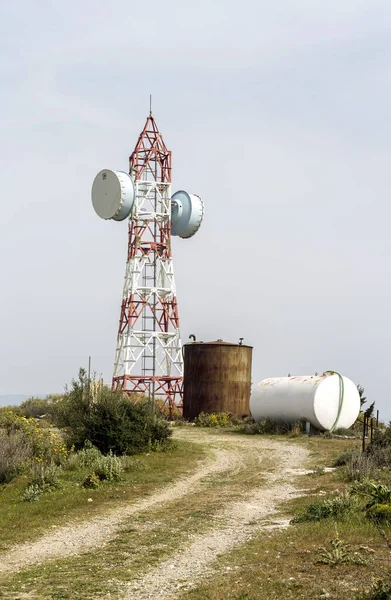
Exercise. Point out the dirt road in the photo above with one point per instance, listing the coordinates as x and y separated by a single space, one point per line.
262 471
237 521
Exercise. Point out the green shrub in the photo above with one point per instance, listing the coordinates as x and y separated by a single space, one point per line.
104 468
32 493
360 466
8 409
344 431
92 481
379 450
376 493
88 456
71 463
270 427
295 430
344 457
45 444
340 554
252 428
44 475
382 438
333 507
380 512
264 427
221 419
38 407
180 422
15 452
108 468
43 478
109 420
379 455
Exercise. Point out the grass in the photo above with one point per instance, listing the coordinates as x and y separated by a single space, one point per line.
272 564
144 540
283 563
25 521
139 546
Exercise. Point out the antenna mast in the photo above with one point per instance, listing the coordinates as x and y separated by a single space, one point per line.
149 355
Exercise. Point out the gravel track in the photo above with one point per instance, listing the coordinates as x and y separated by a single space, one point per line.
77 538
236 522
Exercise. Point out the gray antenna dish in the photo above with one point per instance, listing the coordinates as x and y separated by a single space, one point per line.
187 212
113 194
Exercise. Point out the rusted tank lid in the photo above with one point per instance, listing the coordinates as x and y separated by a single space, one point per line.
217 343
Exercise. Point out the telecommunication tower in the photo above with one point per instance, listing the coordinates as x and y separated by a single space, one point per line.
148 357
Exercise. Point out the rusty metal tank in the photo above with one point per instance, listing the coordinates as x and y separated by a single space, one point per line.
217 378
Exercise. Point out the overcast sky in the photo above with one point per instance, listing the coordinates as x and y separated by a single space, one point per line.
278 115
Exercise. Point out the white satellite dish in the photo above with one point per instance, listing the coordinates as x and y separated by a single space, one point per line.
113 194
187 212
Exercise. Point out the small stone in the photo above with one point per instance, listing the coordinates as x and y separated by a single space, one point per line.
89 500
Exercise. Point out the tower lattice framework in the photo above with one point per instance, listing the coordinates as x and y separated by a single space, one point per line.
148 357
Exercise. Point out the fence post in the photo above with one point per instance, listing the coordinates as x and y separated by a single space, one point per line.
363 433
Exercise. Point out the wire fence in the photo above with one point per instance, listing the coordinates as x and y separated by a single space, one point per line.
370 426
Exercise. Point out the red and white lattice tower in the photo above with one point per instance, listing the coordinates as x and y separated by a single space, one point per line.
148 358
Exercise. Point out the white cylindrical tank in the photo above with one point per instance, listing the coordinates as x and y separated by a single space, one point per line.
327 401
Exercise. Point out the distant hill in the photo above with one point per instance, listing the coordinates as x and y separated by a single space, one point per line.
14 399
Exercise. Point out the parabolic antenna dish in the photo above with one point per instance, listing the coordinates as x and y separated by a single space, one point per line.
113 194
187 212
